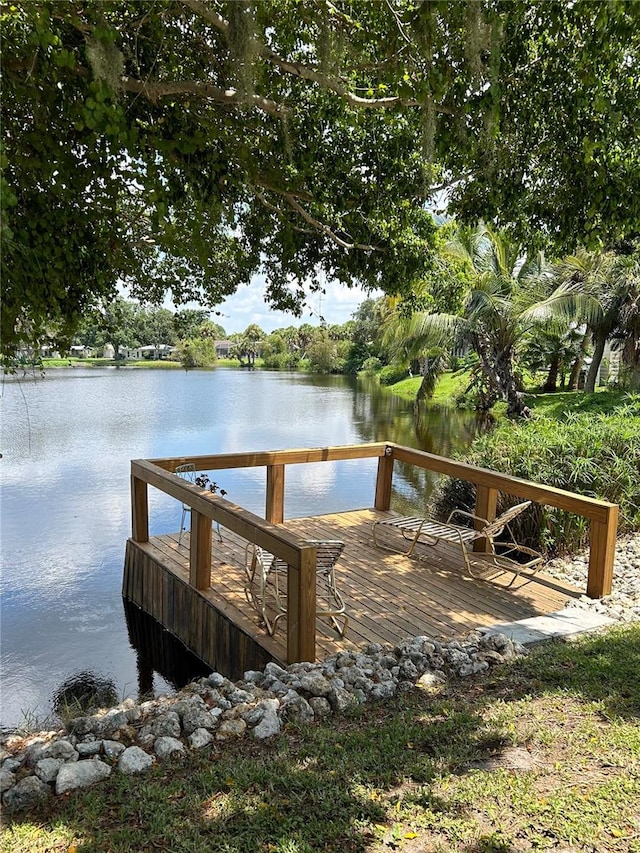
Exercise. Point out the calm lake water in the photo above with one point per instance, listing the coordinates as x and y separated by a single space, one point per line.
67 442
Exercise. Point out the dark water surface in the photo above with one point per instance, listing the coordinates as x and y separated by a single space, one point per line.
67 442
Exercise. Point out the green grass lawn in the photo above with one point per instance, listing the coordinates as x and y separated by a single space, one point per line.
543 754
449 387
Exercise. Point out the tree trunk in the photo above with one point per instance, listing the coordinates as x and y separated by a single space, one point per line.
594 367
551 382
574 377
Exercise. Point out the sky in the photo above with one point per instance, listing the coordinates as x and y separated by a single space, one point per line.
247 305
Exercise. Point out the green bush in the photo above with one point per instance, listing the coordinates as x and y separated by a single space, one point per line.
281 361
594 455
371 366
197 352
392 373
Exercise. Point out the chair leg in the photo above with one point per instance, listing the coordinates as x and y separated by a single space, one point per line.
185 510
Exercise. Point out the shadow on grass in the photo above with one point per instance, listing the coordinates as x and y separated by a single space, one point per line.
373 780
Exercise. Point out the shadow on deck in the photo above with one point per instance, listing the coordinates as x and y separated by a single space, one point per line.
388 596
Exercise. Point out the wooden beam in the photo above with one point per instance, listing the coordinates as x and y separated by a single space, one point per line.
588 507
274 512
384 480
271 537
486 507
602 551
200 551
139 510
276 457
301 608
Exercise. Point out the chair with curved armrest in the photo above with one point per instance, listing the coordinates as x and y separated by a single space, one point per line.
263 570
506 554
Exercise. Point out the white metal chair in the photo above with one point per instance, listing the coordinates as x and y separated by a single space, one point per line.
263 570
188 473
506 554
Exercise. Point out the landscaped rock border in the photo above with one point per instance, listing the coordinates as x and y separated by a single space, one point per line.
131 737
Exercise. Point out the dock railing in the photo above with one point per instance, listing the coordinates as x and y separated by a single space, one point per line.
300 555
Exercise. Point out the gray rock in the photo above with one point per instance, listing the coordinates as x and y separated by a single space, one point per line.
295 708
196 717
33 753
268 726
47 768
253 676
60 749
113 748
315 684
321 707
384 690
28 793
166 746
274 670
238 697
200 738
86 750
12 764
113 720
134 760
216 680
340 699
7 780
167 725
81 774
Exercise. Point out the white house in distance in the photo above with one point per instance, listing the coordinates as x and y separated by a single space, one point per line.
223 348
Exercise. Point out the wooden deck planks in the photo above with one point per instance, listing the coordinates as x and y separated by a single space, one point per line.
389 596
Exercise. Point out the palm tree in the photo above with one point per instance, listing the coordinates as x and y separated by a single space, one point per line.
509 293
609 281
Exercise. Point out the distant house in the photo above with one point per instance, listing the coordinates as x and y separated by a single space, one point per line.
79 351
223 348
152 352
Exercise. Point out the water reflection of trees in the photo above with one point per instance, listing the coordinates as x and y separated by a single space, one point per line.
379 415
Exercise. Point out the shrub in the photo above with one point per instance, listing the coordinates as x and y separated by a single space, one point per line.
371 366
392 373
594 455
197 352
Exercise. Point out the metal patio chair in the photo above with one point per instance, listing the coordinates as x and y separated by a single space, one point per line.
505 554
263 572
188 473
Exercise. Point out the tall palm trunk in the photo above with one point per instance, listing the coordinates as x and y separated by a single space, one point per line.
576 368
551 382
594 367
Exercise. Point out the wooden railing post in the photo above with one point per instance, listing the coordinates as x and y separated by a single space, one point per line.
275 494
301 608
486 507
384 480
200 551
602 551
139 510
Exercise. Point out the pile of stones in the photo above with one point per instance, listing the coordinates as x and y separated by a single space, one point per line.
623 604
213 710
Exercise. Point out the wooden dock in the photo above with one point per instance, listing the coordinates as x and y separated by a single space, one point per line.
388 596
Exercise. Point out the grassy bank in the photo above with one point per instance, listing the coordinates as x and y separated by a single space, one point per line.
541 755
450 386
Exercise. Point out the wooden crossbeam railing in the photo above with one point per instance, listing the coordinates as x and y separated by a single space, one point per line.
269 534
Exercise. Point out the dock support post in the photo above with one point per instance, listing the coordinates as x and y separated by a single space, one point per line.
486 507
602 551
301 608
275 494
384 480
139 510
200 551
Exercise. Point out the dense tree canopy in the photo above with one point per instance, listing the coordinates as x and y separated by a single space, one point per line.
182 145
